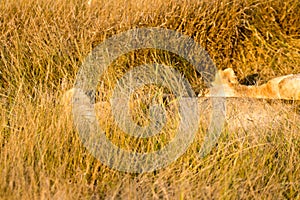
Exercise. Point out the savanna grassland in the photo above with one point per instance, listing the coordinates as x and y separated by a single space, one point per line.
42 46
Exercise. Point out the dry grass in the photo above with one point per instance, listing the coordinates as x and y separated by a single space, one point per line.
43 44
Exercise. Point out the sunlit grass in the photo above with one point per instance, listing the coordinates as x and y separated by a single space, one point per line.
43 44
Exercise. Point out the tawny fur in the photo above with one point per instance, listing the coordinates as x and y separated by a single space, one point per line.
242 114
283 87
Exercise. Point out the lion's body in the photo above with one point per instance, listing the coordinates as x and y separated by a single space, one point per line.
283 87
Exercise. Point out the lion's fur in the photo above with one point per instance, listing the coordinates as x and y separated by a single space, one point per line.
283 87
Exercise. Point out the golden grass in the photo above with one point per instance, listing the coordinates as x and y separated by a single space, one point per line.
43 44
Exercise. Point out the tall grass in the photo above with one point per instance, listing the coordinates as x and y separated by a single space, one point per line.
43 44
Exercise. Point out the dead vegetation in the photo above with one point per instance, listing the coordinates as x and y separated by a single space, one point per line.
43 44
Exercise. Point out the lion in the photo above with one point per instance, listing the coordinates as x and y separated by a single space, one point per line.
242 114
284 87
